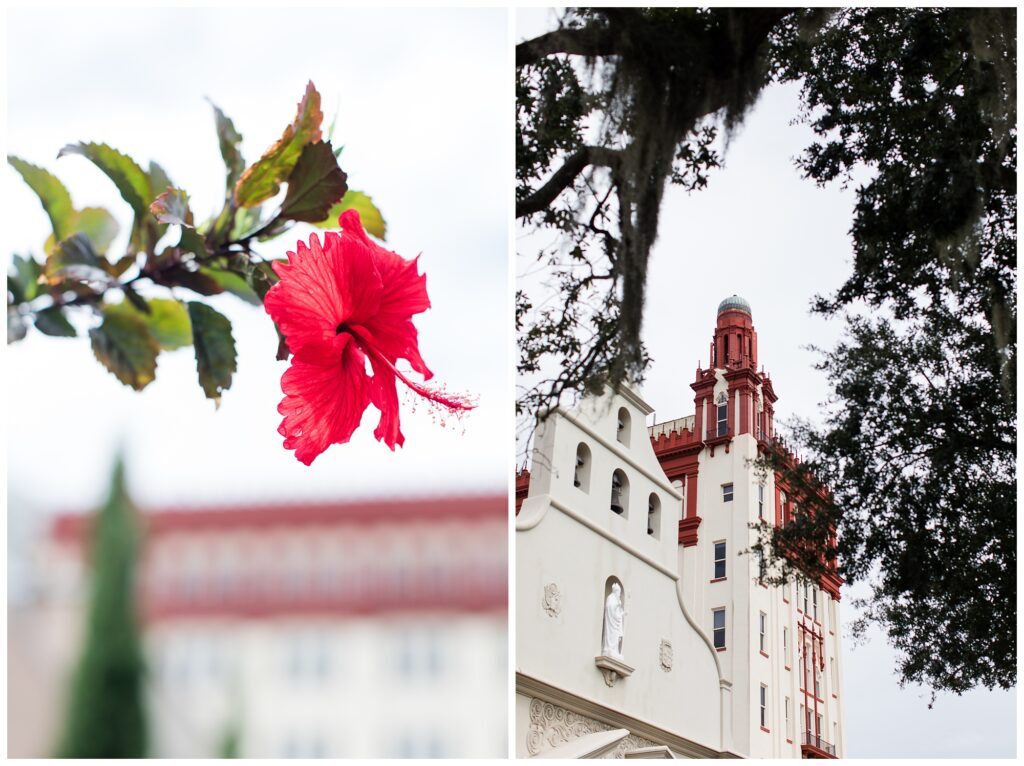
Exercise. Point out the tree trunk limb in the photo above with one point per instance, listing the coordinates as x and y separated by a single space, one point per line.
575 164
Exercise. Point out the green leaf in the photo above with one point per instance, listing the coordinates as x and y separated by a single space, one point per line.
158 179
16 328
215 349
262 180
229 140
166 319
51 192
98 225
172 207
51 321
76 250
370 216
124 345
315 184
234 284
130 179
26 278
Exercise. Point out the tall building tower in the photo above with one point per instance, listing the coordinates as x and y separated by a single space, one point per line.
778 645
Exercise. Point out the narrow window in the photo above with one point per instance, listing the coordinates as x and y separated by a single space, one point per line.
727 493
726 348
789 721
760 502
620 494
807 721
814 595
785 510
654 516
623 427
832 673
785 645
719 628
723 419
581 476
817 681
817 724
764 633
832 615
807 589
720 560
835 735
764 706
760 567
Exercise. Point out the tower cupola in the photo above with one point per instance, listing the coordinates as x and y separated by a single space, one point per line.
735 342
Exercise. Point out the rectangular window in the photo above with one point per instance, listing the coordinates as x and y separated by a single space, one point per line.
817 721
723 420
807 720
719 628
719 560
764 631
727 493
760 502
785 645
817 681
782 504
760 567
832 615
764 706
789 721
832 674
807 592
815 595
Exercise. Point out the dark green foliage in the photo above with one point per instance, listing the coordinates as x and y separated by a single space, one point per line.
215 349
314 185
639 85
106 717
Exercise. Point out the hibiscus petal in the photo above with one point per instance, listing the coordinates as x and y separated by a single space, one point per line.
323 404
384 395
322 288
404 293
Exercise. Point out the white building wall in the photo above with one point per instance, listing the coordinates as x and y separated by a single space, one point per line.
569 539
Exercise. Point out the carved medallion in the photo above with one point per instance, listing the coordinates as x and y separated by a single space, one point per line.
552 601
665 655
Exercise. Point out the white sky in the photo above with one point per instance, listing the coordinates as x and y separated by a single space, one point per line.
423 133
761 231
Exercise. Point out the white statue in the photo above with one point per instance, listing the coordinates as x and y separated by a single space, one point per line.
614 618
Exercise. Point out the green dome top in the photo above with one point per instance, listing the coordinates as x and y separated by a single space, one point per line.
734 302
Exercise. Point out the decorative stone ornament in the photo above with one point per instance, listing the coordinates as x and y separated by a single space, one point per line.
613 668
552 601
665 655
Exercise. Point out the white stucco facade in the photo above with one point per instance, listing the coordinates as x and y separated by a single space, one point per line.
686 689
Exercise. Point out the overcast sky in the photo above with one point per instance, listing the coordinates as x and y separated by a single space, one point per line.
424 133
761 231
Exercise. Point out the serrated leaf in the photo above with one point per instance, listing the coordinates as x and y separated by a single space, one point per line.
234 284
369 214
26 278
215 349
314 185
262 180
172 207
130 179
51 192
76 250
51 321
229 140
124 345
166 319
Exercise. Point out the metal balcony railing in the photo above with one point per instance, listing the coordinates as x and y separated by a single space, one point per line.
812 739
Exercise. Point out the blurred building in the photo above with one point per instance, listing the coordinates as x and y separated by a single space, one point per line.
335 630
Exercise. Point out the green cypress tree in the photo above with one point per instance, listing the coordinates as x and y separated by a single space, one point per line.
105 715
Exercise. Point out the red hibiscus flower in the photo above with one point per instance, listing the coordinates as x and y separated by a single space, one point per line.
340 305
